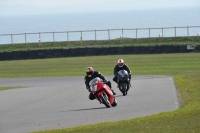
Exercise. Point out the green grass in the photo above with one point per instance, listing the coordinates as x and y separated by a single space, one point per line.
185 68
10 87
153 64
192 40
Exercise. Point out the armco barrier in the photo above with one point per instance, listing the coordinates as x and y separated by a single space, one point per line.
2 56
66 52
168 49
8 55
137 49
48 53
33 54
16 55
82 51
74 52
197 48
144 49
176 48
41 54
105 51
151 50
183 48
52 53
114 50
160 48
121 50
90 51
98 51
57 53
128 50
25 54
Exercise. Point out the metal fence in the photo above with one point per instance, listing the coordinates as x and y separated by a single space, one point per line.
107 34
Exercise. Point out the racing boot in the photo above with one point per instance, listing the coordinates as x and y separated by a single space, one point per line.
129 83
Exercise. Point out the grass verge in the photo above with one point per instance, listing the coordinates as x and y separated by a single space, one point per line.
192 40
10 87
151 64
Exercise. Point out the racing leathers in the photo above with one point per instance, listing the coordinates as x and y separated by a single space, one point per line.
117 69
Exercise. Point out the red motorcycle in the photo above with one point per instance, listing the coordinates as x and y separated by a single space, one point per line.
102 92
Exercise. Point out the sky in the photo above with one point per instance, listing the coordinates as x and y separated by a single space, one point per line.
29 7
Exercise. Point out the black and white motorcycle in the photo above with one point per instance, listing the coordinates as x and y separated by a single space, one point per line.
123 81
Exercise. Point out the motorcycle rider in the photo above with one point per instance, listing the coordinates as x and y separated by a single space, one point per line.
121 66
91 74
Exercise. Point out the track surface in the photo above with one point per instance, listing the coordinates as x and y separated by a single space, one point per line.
62 102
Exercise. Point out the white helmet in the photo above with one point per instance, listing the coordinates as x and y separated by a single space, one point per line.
120 63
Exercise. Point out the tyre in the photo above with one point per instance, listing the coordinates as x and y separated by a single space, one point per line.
114 103
124 88
104 99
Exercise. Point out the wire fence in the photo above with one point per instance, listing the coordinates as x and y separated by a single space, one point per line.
107 34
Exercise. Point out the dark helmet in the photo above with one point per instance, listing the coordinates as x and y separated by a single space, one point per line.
120 63
89 71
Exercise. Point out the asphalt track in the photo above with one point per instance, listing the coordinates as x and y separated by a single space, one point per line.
61 102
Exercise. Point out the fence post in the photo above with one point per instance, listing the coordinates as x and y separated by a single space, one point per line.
108 34
11 38
175 31
162 32
81 37
95 35
39 36
149 32
67 36
122 32
187 30
25 37
136 32
53 37
122 36
39 40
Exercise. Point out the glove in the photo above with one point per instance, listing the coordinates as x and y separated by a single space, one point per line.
105 81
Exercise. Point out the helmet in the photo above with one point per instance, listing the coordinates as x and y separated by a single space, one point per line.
89 71
120 63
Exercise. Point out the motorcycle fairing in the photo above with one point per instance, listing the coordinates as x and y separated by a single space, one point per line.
106 90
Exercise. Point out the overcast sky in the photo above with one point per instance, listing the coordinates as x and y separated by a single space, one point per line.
27 7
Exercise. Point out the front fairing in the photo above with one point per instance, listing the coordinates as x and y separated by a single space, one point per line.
96 84
93 88
123 75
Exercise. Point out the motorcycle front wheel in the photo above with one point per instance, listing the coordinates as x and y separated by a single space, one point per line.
123 88
104 99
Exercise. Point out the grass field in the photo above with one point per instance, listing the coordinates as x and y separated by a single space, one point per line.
185 68
151 64
191 40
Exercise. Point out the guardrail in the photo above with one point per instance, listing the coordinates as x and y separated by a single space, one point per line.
107 34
